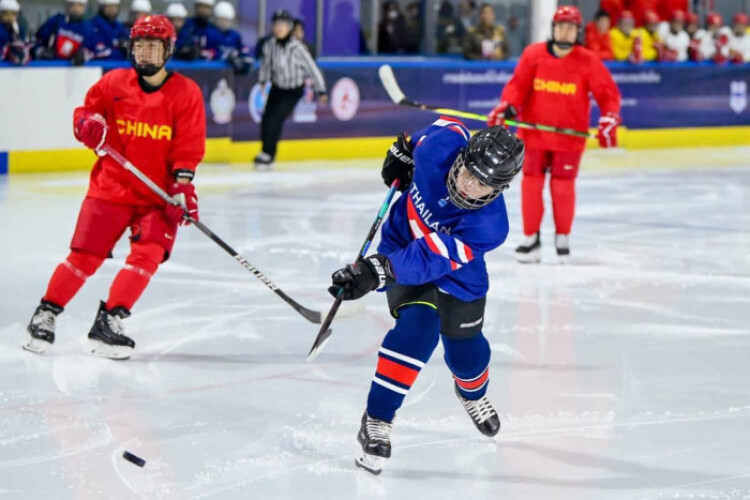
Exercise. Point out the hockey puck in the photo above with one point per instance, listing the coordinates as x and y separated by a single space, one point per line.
133 459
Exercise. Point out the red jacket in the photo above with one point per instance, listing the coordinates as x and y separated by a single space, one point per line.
613 8
159 132
599 43
639 8
555 91
668 7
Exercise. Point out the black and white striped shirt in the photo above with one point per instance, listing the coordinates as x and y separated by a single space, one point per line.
287 65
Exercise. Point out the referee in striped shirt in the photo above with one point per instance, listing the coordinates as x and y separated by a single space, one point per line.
286 62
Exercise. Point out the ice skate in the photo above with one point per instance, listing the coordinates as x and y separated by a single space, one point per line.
41 329
562 244
482 414
263 161
107 337
375 438
530 250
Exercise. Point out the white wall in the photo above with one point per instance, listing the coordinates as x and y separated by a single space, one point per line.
37 110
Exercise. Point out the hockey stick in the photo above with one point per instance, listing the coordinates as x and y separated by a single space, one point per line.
308 314
325 332
388 79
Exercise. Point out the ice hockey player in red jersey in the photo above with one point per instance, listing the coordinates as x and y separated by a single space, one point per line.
156 119
551 86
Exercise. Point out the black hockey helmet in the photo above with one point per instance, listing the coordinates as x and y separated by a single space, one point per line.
282 15
493 156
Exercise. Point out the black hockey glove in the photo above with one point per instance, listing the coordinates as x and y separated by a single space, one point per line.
357 280
399 164
79 58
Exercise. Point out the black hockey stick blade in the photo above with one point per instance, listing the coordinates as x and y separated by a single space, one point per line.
325 331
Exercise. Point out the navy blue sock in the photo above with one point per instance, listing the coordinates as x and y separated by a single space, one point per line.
468 360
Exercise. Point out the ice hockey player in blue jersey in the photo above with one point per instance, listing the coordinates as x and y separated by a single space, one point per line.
430 263
14 47
67 36
231 48
198 38
112 42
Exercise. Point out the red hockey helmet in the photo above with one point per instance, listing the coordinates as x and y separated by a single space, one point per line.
692 18
152 27
677 15
568 14
650 17
626 14
714 19
740 18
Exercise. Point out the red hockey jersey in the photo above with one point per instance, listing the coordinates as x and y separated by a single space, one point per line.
159 131
554 91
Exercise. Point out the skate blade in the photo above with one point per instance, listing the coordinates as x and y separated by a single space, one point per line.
533 257
103 350
35 345
371 463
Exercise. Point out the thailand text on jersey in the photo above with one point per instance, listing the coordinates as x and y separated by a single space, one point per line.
159 130
430 240
554 91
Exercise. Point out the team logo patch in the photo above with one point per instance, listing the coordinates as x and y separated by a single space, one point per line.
345 99
738 96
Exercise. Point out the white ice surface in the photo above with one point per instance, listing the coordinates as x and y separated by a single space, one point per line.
624 375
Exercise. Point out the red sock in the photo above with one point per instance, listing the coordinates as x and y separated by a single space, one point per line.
532 204
563 203
70 276
133 279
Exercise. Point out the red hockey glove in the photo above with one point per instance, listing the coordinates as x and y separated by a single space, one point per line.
607 133
176 214
91 130
503 111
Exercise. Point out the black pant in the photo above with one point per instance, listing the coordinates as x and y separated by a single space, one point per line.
280 104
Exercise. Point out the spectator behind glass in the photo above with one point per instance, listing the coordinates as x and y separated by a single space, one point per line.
113 35
739 43
648 44
392 30
467 13
667 8
298 32
67 36
597 36
675 38
413 27
231 48
450 31
138 9
176 13
14 47
486 40
622 37
199 38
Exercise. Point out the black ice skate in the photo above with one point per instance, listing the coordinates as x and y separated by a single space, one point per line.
562 243
375 438
263 161
107 337
482 414
530 250
41 328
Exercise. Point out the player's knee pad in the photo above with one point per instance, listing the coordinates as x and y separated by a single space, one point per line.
83 264
144 258
416 332
467 358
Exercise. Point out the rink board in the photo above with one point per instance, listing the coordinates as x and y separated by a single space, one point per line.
669 105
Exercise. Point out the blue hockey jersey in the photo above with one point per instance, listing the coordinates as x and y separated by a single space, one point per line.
231 46
112 38
205 36
65 37
13 45
430 240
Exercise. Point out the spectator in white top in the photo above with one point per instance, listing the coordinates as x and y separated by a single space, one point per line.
674 37
707 39
739 44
